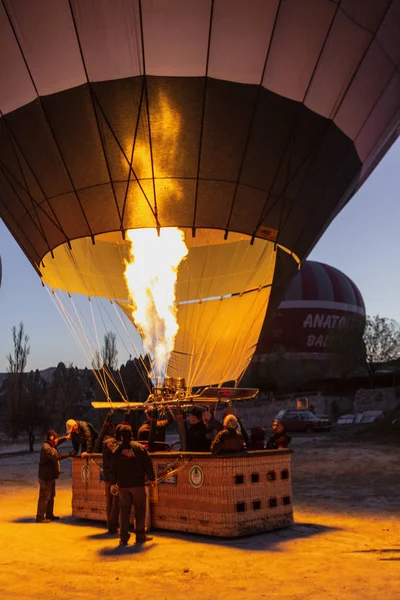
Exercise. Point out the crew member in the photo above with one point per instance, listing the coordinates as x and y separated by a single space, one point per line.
83 435
279 438
197 435
144 430
112 504
49 470
229 439
129 465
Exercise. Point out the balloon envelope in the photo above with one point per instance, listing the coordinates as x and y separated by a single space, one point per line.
227 118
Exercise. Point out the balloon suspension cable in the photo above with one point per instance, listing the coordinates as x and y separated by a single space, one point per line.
97 363
71 325
140 358
106 369
101 374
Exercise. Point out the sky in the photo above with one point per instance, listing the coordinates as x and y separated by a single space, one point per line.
363 242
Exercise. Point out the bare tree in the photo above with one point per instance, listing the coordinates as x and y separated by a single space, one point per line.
66 393
33 411
109 352
382 343
108 355
17 361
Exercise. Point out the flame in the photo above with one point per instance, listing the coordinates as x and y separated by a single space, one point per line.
151 275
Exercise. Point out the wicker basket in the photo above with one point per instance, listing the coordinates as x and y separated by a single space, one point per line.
223 495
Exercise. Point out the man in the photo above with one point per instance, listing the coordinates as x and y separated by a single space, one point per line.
82 435
49 470
161 426
279 438
112 505
229 439
197 435
129 465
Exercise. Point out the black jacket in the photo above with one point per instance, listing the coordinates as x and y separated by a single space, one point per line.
85 437
228 440
49 461
129 465
278 440
144 431
196 438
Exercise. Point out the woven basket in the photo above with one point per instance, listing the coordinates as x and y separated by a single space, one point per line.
221 495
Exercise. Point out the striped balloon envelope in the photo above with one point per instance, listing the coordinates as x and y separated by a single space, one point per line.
247 124
319 299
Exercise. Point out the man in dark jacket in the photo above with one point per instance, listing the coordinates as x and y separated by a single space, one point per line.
161 426
129 465
279 438
229 439
197 435
82 435
49 469
112 504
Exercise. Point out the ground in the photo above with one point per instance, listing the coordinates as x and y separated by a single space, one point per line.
344 545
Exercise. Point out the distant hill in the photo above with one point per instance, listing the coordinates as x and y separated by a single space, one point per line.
47 374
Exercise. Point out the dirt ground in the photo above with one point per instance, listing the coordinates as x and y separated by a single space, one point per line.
345 543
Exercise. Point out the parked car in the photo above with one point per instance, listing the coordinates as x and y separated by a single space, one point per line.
368 416
302 420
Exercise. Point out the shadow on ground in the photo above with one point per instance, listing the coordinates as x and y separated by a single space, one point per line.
126 550
261 541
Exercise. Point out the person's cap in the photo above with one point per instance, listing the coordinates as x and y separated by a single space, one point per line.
70 424
52 435
196 412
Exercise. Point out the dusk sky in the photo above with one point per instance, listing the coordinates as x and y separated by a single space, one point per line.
363 242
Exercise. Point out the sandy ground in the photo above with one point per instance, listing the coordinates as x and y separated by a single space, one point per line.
345 543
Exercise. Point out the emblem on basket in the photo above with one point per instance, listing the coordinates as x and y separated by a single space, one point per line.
85 473
196 476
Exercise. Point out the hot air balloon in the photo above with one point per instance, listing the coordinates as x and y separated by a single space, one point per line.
245 124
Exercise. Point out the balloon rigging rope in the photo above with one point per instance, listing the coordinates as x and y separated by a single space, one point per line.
123 341
102 266
106 370
97 354
66 317
136 350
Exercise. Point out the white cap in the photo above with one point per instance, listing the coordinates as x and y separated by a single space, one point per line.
70 424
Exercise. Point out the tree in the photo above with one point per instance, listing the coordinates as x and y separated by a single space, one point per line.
17 361
382 343
108 355
33 412
346 349
65 395
109 352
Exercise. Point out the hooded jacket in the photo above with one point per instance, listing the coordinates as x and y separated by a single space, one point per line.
228 440
49 461
130 462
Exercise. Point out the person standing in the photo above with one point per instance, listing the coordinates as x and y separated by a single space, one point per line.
112 504
279 439
161 426
197 435
49 470
229 439
83 435
129 465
